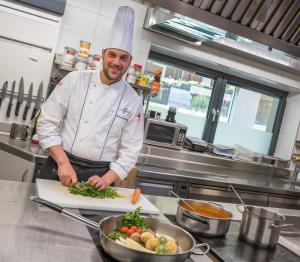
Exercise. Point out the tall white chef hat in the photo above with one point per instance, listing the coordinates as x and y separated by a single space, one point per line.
122 30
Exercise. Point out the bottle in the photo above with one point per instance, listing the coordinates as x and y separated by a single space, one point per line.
155 84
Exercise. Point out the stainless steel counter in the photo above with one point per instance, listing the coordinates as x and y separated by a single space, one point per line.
23 149
29 233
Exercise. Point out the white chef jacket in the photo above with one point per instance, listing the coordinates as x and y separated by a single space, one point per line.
94 121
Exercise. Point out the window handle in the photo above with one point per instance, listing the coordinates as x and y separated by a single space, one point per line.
215 113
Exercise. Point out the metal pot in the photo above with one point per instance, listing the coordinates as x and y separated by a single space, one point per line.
260 226
185 241
204 225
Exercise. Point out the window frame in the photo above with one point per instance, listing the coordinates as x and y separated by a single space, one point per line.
221 80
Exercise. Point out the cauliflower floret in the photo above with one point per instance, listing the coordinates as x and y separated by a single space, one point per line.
152 243
172 247
146 236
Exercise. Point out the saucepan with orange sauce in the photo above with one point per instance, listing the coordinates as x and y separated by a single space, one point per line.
203 217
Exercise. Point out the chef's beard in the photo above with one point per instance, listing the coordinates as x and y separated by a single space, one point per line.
113 78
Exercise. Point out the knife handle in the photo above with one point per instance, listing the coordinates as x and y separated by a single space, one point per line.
1 101
25 113
33 113
8 109
17 109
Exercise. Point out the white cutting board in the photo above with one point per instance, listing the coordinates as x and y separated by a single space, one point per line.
58 194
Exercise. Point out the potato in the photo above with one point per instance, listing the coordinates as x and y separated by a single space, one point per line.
152 243
136 237
172 247
146 236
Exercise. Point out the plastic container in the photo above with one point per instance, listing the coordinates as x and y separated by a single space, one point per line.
84 49
68 57
81 64
131 79
137 70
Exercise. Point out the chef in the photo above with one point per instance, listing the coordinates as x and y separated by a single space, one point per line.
92 124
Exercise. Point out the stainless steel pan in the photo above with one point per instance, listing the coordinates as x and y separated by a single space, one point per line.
203 225
185 241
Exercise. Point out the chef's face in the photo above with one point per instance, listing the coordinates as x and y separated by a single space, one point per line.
115 63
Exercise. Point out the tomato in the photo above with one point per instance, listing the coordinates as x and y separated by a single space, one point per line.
134 228
139 231
129 232
124 230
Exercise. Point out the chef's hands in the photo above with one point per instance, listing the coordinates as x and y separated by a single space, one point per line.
104 181
67 174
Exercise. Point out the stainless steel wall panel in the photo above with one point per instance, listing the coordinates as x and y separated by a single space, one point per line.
276 18
287 18
228 8
251 11
240 10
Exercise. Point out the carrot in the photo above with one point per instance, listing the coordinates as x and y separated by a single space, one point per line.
136 195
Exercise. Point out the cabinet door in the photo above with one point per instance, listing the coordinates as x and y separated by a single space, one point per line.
15 168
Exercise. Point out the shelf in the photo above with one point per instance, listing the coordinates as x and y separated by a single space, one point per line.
145 90
67 68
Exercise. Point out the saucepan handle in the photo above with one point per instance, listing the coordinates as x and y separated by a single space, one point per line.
61 210
202 252
238 207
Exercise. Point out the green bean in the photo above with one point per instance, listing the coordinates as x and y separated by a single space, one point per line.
88 190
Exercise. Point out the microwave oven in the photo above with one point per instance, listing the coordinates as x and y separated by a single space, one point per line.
165 134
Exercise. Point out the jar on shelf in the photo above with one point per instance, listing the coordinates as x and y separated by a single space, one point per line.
84 49
137 70
68 57
81 64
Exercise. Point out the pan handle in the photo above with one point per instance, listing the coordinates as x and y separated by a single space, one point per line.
203 252
238 207
62 211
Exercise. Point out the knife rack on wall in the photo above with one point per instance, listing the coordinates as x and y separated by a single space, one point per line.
25 95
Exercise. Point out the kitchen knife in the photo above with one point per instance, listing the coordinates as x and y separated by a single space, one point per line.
11 99
29 101
38 101
20 98
3 92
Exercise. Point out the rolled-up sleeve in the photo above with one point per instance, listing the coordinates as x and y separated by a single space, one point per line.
131 143
53 112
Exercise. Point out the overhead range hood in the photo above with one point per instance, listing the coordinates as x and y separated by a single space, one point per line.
173 23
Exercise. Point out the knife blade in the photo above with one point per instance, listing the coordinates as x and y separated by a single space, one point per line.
3 92
11 99
38 101
29 101
20 98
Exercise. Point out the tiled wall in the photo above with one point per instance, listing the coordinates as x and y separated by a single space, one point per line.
91 20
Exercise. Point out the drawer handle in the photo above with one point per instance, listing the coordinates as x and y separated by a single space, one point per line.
24 175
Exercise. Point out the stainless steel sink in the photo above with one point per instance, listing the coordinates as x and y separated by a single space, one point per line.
290 235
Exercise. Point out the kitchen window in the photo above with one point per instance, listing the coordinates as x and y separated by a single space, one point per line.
190 93
217 107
